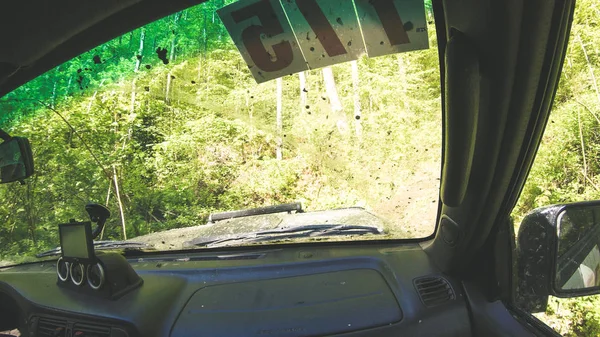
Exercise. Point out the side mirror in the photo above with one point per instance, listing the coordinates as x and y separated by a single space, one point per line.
558 253
16 159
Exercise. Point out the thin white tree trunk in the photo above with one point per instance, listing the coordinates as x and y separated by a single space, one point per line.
250 109
303 91
168 90
356 95
582 148
403 81
138 63
279 118
115 181
587 59
132 107
174 40
106 204
334 99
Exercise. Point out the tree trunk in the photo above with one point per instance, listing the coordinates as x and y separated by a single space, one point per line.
132 107
332 94
403 81
167 98
130 47
30 215
279 117
174 39
303 91
53 102
69 82
591 68
356 95
140 52
118 194
334 100
106 204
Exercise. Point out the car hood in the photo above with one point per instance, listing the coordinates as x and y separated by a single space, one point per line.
180 238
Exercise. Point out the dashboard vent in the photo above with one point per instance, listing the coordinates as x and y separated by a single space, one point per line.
51 327
434 290
91 330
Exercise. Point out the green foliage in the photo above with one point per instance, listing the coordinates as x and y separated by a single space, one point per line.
197 135
567 166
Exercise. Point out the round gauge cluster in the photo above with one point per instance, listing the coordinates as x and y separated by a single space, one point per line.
79 273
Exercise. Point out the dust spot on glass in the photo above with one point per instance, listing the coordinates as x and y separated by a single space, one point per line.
80 81
307 107
381 43
307 91
357 117
147 88
193 82
324 98
408 26
172 77
349 43
162 55
312 48
148 66
339 20
308 112
97 59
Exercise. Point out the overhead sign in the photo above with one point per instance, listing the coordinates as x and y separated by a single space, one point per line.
278 38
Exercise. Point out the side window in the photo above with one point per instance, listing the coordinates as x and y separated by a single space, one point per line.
567 166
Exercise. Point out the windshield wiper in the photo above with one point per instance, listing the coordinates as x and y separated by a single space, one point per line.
104 245
288 233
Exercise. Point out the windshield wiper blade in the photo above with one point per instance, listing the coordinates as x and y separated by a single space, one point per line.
320 230
103 245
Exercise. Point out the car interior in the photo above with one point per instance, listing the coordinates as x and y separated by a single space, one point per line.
499 63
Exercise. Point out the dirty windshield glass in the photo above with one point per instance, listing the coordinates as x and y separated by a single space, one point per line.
173 129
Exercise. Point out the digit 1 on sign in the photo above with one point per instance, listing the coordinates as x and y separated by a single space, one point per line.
391 21
320 25
251 37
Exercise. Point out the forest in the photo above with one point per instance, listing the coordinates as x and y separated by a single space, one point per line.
166 125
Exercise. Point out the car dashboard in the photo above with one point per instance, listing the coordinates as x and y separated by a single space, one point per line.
301 290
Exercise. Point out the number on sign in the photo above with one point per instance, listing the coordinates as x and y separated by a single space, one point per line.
320 25
251 36
388 25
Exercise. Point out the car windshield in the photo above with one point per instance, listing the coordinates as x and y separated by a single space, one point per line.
174 123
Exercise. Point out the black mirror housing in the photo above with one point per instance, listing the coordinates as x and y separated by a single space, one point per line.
554 245
16 160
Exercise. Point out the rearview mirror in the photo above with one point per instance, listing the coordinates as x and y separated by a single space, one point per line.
16 159
558 253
